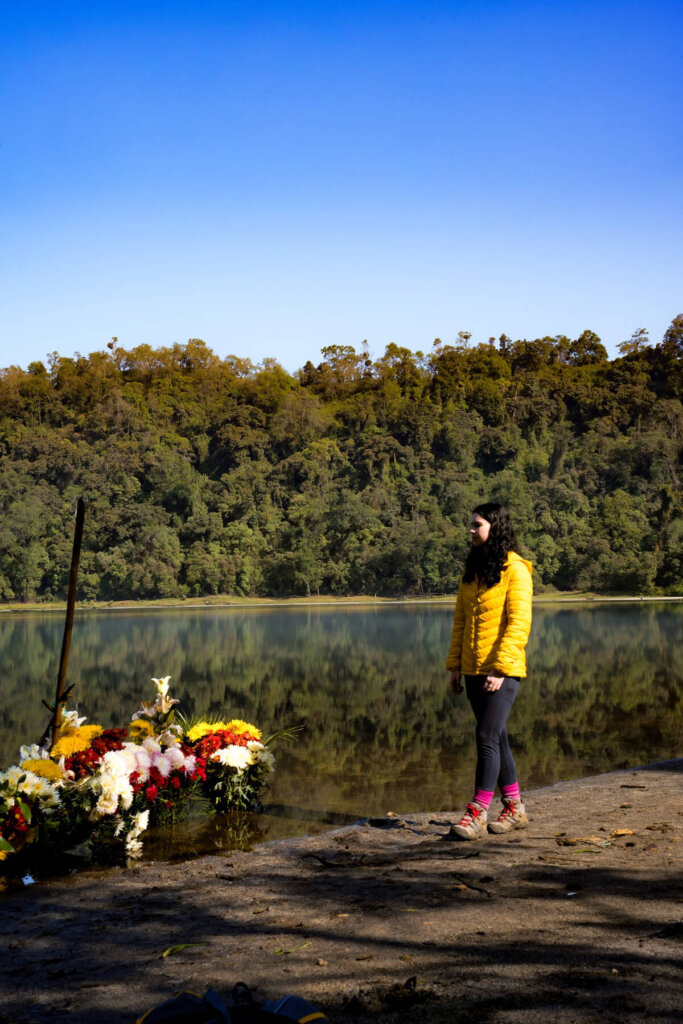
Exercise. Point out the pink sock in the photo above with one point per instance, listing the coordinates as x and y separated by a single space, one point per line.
511 792
483 798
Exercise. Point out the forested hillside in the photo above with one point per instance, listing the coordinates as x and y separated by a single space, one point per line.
206 476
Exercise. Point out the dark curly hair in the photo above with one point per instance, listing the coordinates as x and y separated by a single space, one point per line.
486 563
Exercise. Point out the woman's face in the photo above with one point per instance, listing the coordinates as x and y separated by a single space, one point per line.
479 530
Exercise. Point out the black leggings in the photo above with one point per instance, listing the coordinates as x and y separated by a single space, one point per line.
495 762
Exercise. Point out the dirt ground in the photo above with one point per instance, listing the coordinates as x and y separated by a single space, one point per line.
576 919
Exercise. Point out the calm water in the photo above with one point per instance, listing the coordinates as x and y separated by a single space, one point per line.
381 732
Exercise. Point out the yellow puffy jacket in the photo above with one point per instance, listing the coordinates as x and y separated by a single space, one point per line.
491 625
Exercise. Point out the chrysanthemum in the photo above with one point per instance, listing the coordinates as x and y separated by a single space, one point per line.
11 777
175 757
238 726
203 728
36 788
75 742
46 769
262 755
234 757
162 765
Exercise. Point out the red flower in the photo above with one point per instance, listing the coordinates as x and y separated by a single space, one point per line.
151 793
199 770
175 782
219 738
14 824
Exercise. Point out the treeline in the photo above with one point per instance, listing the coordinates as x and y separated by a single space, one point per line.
207 476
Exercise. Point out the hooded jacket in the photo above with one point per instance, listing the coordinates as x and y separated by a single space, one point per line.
491 625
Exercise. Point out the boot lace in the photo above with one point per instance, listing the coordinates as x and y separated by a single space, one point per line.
470 815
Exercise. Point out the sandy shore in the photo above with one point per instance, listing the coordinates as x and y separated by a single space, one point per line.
577 918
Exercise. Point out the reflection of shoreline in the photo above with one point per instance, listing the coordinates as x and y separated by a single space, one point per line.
382 732
336 603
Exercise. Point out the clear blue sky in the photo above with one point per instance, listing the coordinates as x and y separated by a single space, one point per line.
275 177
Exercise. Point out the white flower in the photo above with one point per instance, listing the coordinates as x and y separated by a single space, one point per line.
262 755
70 720
143 763
119 763
112 781
172 736
162 765
133 843
33 787
12 776
147 710
161 685
163 703
175 757
133 847
141 820
234 757
189 764
107 804
33 753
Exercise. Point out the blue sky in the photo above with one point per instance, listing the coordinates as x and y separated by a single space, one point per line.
275 177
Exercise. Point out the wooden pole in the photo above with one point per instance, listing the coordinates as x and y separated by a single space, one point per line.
62 693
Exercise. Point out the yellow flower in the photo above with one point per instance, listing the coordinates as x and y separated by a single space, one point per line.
75 741
138 728
202 728
235 725
238 726
46 769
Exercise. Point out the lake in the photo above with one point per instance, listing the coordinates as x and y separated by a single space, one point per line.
381 732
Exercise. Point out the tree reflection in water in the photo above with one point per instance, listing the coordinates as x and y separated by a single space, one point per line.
368 683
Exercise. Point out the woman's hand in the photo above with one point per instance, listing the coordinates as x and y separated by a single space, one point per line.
493 683
454 683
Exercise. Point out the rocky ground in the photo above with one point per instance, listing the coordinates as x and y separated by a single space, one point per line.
576 919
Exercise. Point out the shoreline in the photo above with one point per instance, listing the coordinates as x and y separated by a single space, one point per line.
575 919
221 601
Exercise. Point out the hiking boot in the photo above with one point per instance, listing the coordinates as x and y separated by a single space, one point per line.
472 825
512 816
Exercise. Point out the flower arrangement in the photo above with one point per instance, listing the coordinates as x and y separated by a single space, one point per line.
237 763
107 786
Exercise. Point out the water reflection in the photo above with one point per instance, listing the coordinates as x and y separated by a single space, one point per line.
381 732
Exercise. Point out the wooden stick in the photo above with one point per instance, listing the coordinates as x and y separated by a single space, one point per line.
62 693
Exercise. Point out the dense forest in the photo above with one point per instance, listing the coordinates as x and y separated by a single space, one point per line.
205 475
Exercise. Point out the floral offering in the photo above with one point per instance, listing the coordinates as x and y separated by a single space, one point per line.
106 786
237 762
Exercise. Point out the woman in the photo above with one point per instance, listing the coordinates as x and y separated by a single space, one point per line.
490 630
